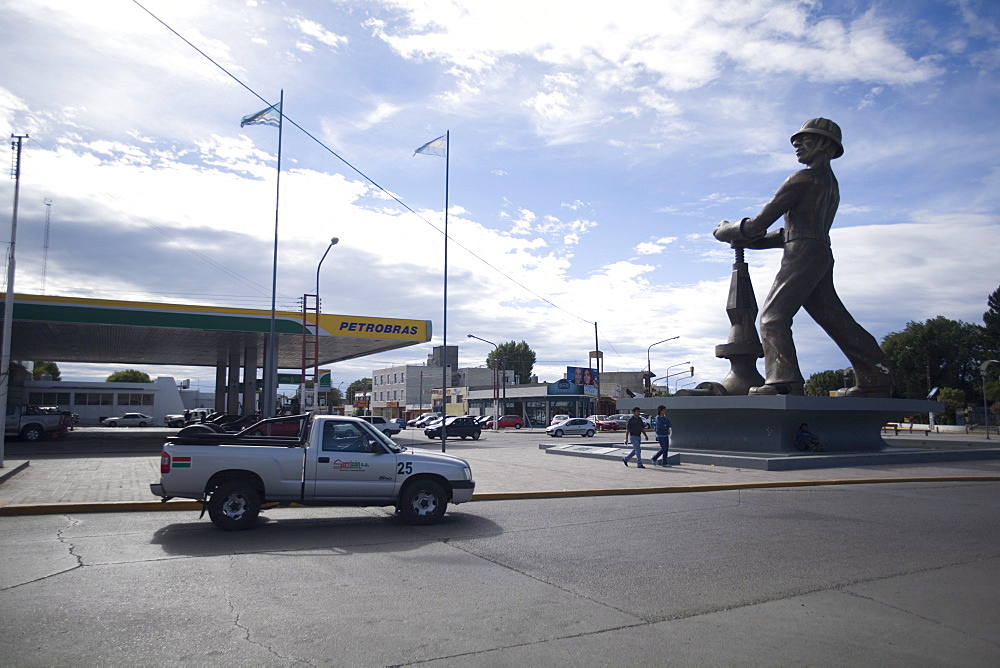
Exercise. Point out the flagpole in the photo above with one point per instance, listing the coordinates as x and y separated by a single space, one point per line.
444 336
270 385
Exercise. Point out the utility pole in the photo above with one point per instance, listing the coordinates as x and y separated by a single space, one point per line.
8 301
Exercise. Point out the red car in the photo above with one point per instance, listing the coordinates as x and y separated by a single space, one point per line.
515 421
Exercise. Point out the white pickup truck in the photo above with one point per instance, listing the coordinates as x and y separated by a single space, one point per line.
337 461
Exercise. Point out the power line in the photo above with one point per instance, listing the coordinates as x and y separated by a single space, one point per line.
351 166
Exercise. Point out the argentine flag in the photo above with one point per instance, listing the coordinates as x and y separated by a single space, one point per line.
269 116
437 146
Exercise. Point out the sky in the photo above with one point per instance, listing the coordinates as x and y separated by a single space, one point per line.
593 149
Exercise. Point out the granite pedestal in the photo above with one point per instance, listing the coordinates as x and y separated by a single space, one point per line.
768 424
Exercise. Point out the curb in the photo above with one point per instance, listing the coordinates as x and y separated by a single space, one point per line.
170 506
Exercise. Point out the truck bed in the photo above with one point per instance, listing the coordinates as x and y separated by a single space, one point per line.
232 439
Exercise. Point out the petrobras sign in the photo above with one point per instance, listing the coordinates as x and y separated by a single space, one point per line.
375 328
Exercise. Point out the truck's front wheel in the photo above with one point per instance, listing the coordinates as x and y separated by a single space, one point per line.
234 505
423 502
32 433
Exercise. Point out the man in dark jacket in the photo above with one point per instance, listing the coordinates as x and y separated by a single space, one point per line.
635 430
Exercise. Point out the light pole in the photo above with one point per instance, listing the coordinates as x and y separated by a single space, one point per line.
649 365
333 242
669 374
684 385
986 412
496 402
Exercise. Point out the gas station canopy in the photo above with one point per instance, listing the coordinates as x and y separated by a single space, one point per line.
70 329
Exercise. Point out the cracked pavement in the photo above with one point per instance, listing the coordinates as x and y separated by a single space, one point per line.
895 574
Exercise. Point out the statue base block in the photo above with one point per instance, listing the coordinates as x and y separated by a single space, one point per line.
769 423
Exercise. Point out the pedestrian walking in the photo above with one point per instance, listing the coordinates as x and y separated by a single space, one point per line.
661 427
635 430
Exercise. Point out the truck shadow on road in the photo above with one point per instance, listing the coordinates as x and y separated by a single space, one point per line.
369 530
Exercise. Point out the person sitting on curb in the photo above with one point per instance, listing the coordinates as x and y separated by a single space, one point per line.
806 440
635 430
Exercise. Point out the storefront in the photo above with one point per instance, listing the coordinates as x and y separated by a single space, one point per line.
535 403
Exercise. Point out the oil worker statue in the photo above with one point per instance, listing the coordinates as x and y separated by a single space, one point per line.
808 200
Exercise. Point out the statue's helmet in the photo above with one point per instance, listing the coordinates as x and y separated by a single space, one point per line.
825 128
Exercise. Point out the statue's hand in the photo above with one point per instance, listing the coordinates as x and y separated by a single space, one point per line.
731 232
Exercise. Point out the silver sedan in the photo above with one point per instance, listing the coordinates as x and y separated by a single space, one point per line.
572 427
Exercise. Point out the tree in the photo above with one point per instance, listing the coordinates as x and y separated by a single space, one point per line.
991 321
936 353
518 357
129 376
357 387
953 400
336 397
821 383
41 367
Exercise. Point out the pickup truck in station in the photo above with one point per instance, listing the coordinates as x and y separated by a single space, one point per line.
335 461
34 423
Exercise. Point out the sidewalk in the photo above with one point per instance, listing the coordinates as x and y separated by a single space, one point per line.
512 468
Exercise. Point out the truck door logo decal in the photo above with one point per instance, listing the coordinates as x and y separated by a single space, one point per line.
349 466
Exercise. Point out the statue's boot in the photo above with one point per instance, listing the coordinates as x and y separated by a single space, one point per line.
869 391
772 389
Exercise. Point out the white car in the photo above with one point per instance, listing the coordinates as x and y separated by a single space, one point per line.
384 425
129 420
572 427
558 418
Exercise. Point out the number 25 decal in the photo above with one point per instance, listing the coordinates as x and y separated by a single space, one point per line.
404 468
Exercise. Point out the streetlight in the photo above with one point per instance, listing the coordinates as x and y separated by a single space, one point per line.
496 402
986 412
333 242
649 366
684 385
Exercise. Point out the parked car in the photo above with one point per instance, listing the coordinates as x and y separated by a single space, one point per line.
129 420
505 421
384 425
620 420
423 420
558 418
33 423
462 427
400 422
606 425
572 427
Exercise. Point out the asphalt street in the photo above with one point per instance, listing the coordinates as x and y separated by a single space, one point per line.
896 574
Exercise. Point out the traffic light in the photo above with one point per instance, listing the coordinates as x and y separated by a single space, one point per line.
692 371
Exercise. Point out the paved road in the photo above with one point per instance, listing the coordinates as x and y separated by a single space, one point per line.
889 575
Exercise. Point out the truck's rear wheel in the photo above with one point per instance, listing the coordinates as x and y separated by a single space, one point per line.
423 502
234 505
